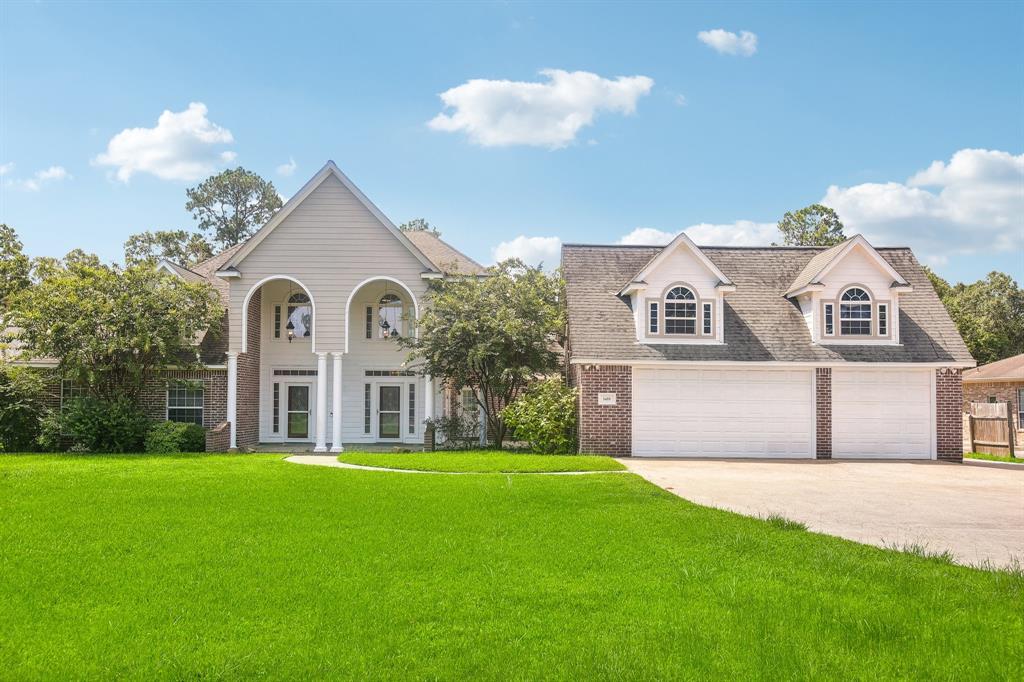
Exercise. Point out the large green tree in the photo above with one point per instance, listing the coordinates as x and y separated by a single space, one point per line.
232 205
14 265
813 225
492 334
988 313
178 246
110 328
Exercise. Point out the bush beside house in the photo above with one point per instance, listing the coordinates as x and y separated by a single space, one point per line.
545 417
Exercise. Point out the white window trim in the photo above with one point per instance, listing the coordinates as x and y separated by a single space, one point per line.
279 332
693 299
201 408
870 303
829 308
883 311
707 319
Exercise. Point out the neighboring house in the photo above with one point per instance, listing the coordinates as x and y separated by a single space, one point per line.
687 351
998 382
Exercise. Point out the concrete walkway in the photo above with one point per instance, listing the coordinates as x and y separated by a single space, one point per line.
975 512
332 461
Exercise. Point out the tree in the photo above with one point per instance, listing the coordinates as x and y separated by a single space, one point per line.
419 225
109 328
813 225
14 265
989 314
177 246
232 205
491 334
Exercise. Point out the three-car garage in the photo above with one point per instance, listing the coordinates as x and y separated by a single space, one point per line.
772 412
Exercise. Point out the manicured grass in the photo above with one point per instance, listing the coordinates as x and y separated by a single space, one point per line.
482 461
249 566
993 458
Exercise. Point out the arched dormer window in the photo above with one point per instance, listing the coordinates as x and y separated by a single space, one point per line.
389 314
680 311
855 312
300 316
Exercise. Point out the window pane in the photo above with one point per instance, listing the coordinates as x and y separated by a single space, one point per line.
366 408
654 318
707 318
855 327
298 398
680 326
390 399
680 293
301 319
829 322
412 408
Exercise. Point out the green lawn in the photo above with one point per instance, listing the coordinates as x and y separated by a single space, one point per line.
993 458
482 461
249 566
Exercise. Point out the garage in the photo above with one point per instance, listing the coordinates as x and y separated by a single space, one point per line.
883 413
723 412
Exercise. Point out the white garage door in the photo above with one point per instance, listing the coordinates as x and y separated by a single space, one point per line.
722 413
882 413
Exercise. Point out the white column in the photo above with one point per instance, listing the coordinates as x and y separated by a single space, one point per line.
233 398
428 397
336 403
321 403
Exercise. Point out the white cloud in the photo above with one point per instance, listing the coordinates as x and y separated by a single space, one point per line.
499 113
531 250
287 169
974 203
739 233
727 42
38 179
182 146
679 100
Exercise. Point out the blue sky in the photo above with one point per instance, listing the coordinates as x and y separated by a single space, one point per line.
912 114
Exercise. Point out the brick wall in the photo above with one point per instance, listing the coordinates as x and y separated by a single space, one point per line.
248 408
605 429
949 399
215 393
218 439
823 409
1002 391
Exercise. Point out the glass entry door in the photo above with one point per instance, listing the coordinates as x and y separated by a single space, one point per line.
389 411
298 411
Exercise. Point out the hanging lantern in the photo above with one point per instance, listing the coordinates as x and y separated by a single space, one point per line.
291 330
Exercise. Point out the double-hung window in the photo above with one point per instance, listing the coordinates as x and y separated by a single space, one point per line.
680 311
185 403
855 313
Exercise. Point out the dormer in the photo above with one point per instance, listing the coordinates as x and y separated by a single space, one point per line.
677 297
849 295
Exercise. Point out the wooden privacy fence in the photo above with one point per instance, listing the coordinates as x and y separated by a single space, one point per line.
991 428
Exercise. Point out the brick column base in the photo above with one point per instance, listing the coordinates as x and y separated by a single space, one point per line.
823 410
949 422
605 429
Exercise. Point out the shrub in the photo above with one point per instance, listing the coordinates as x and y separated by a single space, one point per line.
545 416
454 431
168 437
94 425
21 408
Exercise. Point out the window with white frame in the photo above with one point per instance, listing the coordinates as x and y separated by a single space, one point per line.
412 409
470 407
69 390
855 312
706 326
653 324
297 318
830 324
389 316
185 403
367 392
883 319
680 311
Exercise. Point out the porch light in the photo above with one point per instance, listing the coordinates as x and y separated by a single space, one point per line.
291 330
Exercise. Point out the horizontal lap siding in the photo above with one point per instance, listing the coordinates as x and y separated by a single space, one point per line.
330 243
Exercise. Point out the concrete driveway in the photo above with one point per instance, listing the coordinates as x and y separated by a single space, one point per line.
975 512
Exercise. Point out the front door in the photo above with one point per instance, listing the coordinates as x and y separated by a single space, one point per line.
389 412
299 411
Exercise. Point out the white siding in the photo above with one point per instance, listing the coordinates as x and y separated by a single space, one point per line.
857 267
330 242
682 266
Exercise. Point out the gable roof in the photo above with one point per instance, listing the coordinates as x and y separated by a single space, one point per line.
682 240
1007 369
443 255
824 261
761 323
329 170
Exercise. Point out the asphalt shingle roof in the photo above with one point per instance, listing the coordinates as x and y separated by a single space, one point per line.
1007 369
443 255
760 323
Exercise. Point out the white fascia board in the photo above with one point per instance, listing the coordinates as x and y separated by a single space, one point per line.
228 273
813 286
881 262
768 364
632 287
681 240
328 170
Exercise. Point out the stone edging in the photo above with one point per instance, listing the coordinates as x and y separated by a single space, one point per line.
332 461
